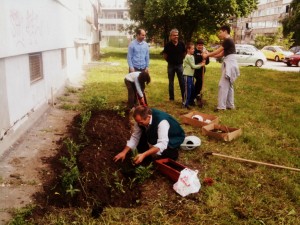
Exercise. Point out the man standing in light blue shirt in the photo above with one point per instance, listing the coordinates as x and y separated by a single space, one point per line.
138 53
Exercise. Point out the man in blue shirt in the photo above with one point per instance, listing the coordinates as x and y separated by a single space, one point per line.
138 53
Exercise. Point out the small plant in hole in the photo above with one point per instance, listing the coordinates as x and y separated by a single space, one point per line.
72 191
143 172
71 173
85 118
118 182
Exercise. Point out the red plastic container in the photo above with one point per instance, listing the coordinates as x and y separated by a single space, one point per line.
170 168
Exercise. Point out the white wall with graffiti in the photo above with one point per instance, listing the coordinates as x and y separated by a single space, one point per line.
56 37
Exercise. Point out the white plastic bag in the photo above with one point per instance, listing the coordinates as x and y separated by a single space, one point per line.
188 182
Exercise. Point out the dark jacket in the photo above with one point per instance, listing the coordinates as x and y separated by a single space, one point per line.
176 134
198 59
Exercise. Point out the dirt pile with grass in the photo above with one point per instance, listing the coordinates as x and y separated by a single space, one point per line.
84 173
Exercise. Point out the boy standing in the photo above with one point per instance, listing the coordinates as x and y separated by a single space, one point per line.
188 75
230 69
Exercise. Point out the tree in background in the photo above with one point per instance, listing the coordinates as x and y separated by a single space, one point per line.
158 17
275 39
291 23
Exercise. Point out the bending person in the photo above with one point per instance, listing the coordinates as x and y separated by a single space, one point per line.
135 83
162 134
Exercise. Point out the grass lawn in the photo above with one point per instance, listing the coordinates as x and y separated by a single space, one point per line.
268 112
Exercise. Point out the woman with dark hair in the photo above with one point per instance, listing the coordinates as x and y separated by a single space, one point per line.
135 83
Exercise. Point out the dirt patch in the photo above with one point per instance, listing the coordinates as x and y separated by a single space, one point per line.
33 171
101 182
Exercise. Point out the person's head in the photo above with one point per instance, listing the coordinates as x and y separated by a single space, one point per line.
200 44
224 31
140 35
190 48
143 78
174 35
142 115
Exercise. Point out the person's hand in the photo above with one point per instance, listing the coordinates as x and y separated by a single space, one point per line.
121 155
147 70
131 70
204 55
142 101
138 159
202 63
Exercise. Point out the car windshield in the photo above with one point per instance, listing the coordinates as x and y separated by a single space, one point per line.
279 48
248 48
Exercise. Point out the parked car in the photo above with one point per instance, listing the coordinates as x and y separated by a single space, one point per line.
293 60
277 53
295 49
249 55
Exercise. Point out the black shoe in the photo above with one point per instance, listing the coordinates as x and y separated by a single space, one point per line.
171 99
185 107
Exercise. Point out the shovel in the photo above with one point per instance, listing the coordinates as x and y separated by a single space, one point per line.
250 161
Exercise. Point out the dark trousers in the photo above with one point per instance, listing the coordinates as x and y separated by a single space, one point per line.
199 76
178 69
198 84
132 99
143 146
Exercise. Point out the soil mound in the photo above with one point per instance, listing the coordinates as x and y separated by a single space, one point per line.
83 171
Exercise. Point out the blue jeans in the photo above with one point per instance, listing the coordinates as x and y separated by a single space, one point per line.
178 69
189 90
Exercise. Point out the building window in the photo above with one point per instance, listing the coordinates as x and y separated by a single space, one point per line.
110 27
110 15
120 15
36 67
63 57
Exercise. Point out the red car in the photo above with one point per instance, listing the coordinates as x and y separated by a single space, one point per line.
292 60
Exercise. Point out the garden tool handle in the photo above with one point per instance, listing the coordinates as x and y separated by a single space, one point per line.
251 161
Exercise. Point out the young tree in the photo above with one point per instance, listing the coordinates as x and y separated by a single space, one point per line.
158 17
291 23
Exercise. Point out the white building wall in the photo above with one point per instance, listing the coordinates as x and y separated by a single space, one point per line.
4 114
20 94
44 26
35 26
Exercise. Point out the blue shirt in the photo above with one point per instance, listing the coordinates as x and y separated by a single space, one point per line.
138 55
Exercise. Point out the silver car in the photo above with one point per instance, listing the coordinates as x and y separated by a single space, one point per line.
249 55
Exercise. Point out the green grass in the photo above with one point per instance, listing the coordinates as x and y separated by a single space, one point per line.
268 112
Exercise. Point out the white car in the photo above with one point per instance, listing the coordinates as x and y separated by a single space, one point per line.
249 55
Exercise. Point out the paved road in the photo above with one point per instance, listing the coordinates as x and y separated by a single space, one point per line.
280 66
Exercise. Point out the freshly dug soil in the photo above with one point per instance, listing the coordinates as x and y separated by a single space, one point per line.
102 182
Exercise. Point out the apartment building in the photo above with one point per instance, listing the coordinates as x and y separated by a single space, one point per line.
263 21
113 20
43 46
